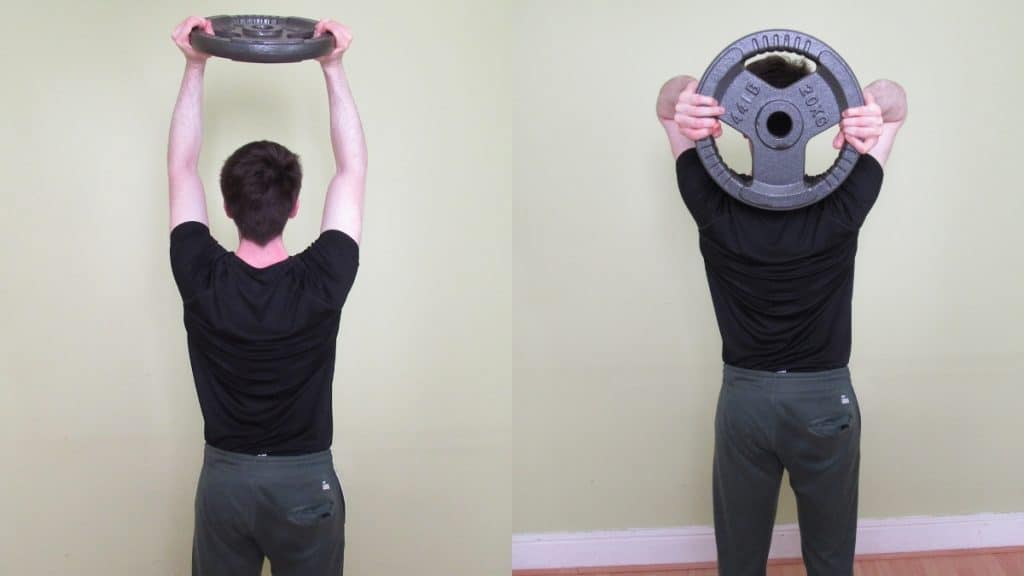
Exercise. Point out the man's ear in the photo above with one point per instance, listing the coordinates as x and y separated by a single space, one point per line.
295 209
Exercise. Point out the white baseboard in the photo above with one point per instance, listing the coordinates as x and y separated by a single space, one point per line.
697 543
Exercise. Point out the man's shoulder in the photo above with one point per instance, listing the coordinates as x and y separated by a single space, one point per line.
193 252
189 229
330 265
331 247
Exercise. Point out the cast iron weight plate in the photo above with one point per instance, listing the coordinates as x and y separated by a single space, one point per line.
779 122
264 39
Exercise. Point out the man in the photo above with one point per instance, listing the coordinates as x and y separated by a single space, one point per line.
262 327
782 285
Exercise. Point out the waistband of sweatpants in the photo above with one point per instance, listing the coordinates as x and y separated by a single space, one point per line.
843 372
213 456
734 374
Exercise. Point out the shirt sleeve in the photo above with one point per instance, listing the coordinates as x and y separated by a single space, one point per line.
702 196
193 251
851 202
332 261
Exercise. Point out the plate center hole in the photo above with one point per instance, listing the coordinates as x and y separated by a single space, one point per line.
779 124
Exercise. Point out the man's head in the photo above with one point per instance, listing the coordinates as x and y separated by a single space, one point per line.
780 70
260 183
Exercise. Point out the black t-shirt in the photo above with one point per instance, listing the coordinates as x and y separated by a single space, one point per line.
262 340
781 281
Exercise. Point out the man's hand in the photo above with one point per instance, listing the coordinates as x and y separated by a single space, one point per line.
872 128
686 115
697 115
861 126
342 40
181 38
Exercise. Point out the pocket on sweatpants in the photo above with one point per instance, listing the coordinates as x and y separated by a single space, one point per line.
833 414
315 500
831 426
323 510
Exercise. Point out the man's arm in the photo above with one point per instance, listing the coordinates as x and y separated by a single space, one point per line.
686 115
872 128
892 99
343 206
187 197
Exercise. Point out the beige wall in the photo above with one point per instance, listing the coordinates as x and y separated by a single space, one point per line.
530 344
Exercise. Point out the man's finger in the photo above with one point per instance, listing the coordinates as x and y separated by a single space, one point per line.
860 111
696 134
693 122
857 144
863 131
691 92
704 100
837 142
702 110
860 121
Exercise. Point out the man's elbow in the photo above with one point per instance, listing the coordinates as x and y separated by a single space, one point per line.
352 172
182 166
348 187
180 173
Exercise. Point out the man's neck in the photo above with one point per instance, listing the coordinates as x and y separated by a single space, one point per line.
261 256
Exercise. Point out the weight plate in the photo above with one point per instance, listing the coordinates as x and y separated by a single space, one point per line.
779 122
265 39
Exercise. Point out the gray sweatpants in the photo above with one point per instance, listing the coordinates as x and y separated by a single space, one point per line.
808 424
287 508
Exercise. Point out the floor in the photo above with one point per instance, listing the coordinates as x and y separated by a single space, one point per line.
989 562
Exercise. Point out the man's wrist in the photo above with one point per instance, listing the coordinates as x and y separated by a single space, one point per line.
195 65
331 66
